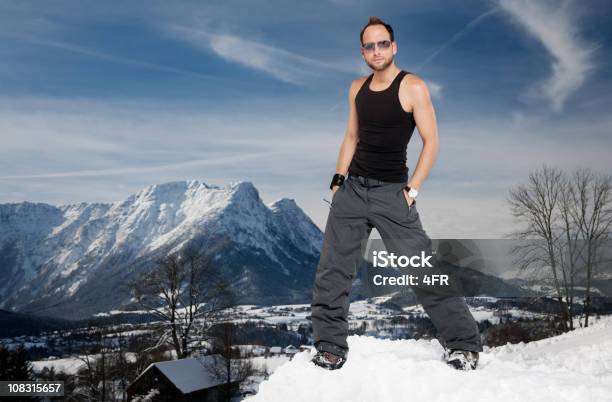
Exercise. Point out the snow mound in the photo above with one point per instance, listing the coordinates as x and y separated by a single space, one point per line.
575 366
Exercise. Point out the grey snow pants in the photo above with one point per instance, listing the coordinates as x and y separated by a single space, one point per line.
356 207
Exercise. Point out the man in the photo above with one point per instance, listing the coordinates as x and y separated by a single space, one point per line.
384 109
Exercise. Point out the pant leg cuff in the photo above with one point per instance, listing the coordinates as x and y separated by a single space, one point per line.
323 346
464 346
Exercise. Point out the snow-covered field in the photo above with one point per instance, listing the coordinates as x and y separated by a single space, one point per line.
269 363
69 365
575 366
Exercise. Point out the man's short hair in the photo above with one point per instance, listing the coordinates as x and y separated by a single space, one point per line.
376 21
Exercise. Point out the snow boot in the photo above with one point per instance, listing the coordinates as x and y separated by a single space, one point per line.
328 360
461 359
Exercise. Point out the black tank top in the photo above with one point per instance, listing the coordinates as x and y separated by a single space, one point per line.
385 129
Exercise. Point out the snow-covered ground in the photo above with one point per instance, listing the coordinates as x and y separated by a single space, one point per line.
269 363
69 365
575 366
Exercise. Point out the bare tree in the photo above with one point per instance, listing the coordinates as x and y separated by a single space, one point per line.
570 247
592 202
536 205
567 220
182 289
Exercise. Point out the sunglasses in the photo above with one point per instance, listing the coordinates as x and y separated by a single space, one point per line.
383 44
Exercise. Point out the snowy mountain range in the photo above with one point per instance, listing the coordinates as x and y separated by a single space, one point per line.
66 260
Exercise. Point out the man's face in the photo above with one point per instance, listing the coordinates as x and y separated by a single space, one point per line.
378 59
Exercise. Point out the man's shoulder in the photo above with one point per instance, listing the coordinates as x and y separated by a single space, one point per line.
358 82
412 80
413 87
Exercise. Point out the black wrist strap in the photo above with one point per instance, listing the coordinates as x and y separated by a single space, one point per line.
337 180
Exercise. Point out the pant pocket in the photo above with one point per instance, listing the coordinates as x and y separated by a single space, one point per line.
335 195
410 207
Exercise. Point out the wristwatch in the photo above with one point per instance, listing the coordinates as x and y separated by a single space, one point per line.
337 180
412 192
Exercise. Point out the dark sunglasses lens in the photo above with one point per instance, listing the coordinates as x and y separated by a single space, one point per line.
368 46
384 44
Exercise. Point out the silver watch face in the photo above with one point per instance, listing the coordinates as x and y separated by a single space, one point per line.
413 193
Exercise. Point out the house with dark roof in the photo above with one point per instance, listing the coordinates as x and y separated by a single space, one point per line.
192 379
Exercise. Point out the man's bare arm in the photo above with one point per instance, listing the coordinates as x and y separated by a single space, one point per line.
425 118
351 137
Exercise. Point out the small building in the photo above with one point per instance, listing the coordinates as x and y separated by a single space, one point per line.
258 350
181 380
275 350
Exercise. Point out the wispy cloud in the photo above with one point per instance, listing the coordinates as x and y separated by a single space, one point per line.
435 89
457 36
71 150
218 161
556 28
85 51
277 62
85 138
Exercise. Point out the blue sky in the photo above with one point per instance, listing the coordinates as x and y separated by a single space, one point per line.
100 99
